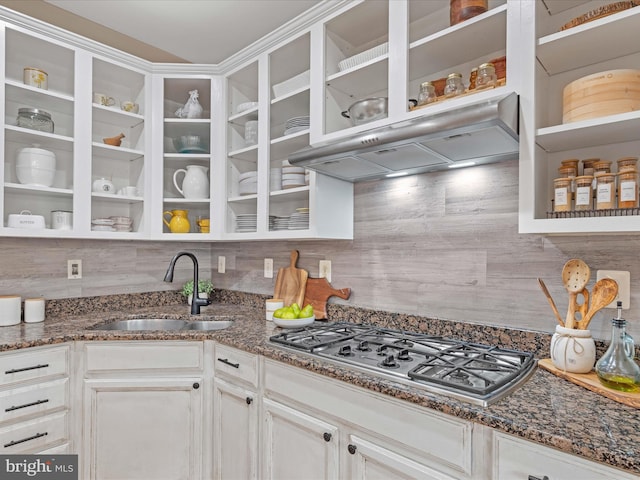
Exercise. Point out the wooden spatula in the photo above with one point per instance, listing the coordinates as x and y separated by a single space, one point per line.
291 282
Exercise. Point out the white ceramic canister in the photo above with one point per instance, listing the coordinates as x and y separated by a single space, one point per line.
573 350
10 310
195 183
36 166
33 310
272 305
61 220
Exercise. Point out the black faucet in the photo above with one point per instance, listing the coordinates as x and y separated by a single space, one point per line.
196 302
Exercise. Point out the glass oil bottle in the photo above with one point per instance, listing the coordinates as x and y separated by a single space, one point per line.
617 368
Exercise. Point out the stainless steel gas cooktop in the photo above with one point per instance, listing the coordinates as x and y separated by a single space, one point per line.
476 373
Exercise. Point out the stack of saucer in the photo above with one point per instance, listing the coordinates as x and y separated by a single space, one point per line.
296 124
102 225
299 220
292 177
280 223
248 183
275 179
246 222
122 224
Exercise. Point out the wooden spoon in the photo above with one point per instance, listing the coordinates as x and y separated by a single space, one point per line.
543 287
575 276
604 292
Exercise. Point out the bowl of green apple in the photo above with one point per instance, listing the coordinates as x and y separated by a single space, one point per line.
293 316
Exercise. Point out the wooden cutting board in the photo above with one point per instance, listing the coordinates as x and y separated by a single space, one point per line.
291 282
318 292
590 381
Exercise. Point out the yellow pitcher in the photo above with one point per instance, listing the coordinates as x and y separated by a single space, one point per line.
179 222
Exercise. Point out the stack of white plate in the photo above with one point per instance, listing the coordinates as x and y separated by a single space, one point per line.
279 223
122 224
299 220
246 222
293 177
275 179
102 225
248 183
296 124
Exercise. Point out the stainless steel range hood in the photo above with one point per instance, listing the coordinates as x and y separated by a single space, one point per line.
481 133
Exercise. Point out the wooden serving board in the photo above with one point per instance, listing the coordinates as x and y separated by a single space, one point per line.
590 381
318 292
291 282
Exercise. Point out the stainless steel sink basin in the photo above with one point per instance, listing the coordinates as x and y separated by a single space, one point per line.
151 324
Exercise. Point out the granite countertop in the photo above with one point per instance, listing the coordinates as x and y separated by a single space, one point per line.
546 409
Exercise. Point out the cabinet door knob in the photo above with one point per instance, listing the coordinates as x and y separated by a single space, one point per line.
249 400
352 449
196 386
326 436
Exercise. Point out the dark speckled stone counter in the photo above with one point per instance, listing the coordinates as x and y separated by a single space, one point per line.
547 409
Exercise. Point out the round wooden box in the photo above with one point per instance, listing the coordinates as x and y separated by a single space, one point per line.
601 94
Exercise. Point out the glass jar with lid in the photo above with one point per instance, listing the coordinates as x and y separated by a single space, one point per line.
588 166
454 86
605 190
486 76
427 93
35 119
584 192
562 194
602 166
627 164
473 76
628 189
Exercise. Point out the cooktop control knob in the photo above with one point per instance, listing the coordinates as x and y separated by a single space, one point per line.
389 361
363 346
345 351
382 349
404 355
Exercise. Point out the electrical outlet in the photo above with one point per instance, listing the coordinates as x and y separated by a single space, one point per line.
221 264
325 269
624 286
74 269
268 268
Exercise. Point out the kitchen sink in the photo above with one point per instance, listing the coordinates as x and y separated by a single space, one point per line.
151 324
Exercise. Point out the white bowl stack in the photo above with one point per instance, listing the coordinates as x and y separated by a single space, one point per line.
275 179
248 183
36 166
292 177
122 224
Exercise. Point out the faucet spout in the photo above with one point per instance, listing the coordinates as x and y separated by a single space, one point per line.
196 301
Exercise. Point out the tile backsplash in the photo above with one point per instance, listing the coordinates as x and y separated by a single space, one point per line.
443 245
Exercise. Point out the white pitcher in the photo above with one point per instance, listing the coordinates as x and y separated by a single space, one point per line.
195 183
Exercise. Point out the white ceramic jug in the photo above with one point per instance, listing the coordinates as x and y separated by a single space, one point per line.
195 183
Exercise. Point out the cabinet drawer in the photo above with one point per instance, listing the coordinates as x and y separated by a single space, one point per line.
33 435
516 458
33 363
31 399
147 356
237 364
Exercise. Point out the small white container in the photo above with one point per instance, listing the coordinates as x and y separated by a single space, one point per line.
33 310
10 310
35 77
573 350
272 305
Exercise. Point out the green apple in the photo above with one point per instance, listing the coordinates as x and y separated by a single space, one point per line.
306 312
278 313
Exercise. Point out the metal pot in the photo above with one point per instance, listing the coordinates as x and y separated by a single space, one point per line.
369 109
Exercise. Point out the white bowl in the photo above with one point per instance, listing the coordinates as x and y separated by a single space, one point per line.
295 322
36 157
35 176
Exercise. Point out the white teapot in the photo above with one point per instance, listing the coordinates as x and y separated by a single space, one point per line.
102 185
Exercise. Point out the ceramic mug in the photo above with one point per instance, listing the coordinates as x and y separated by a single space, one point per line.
61 220
104 100
573 350
129 106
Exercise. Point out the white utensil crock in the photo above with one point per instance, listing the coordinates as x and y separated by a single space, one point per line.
195 183
573 350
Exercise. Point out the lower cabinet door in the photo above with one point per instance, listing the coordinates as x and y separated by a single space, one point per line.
142 428
371 461
297 445
235 432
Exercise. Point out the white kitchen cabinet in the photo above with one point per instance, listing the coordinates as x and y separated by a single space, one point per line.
306 411
236 409
143 405
35 402
517 458
552 58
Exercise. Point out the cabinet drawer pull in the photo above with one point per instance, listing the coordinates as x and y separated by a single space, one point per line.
14 407
326 436
35 367
196 386
531 477
16 442
226 360
352 449
249 400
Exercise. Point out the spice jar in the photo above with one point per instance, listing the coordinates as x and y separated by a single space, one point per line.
562 194
628 189
461 10
427 93
627 164
454 85
486 76
605 190
602 166
584 192
567 171
473 76
588 166
35 119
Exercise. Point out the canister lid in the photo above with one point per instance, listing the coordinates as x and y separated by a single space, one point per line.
34 111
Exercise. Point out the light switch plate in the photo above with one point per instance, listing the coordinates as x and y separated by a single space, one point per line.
74 269
268 268
624 286
222 264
